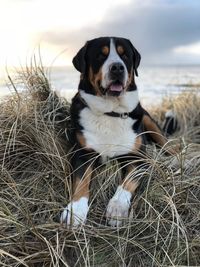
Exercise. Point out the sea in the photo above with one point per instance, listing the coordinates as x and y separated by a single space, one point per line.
153 83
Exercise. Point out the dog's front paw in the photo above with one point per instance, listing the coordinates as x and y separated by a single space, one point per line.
75 213
118 207
116 212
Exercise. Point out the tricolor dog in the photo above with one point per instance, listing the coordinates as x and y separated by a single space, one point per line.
108 122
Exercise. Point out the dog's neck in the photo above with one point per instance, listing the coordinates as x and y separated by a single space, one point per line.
124 103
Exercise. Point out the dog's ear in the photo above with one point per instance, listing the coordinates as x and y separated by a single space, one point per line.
79 61
136 58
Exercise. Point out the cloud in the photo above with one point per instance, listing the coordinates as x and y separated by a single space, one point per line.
189 49
155 28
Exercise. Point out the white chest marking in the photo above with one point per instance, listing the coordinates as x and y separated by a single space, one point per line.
126 102
109 136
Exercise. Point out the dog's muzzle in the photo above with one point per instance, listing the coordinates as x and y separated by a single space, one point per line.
116 76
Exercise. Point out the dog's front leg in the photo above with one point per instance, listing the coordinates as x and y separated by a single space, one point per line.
119 204
76 211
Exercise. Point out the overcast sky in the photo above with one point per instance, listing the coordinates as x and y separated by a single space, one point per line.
164 31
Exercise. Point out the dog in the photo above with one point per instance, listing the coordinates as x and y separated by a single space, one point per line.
108 122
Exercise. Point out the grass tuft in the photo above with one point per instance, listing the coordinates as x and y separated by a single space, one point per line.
164 224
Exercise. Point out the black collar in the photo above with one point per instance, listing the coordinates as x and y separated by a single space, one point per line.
136 113
124 115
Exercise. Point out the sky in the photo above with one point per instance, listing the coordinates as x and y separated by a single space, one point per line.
163 31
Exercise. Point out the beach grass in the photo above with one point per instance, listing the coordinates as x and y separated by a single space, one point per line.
163 228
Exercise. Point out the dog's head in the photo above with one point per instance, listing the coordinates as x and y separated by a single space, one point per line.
107 65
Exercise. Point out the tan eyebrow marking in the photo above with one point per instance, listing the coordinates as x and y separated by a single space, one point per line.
120 49
105 50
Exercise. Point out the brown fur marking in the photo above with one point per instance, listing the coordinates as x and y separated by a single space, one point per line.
129 183
105 50
156 134
138 144
95 79
154 131
81 139
82 142
130 79
130 186
81 185
120 49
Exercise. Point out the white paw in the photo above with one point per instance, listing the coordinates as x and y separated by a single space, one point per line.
75 213
118 207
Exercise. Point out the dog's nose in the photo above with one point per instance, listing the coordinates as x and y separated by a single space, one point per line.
116 68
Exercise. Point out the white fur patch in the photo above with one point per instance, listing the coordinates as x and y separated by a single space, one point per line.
76 212
108 136
126 102
113 57
118 207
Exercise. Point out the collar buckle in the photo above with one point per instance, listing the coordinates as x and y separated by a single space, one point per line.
124 115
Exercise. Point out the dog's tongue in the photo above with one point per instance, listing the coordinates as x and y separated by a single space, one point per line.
116 87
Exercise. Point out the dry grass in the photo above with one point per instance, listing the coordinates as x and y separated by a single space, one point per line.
164 224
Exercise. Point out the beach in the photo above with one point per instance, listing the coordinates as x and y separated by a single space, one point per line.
154 82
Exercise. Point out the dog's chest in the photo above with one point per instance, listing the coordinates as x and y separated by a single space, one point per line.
109 136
